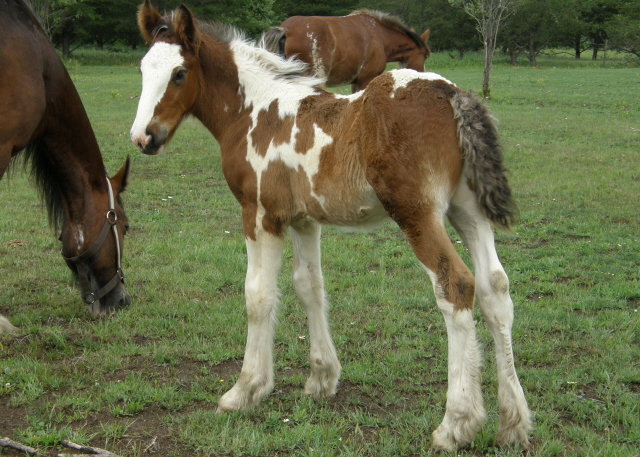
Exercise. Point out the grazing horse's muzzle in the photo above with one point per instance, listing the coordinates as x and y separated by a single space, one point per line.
116 300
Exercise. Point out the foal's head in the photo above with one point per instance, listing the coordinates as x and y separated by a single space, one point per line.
170 76
92 244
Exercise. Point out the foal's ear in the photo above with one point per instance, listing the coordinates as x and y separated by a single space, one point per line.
186 29
148 19
121 179
425 35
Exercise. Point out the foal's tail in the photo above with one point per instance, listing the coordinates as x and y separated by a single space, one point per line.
478 138
273 40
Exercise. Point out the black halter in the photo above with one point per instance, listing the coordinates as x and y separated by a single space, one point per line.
88 296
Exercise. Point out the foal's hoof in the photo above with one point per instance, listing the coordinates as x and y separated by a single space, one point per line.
6 327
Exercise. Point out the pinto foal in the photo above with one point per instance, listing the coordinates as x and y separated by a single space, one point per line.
411 146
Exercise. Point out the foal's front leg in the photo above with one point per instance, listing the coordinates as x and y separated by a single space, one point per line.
307 278
261 290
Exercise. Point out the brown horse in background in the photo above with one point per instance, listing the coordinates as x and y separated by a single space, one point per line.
351 49
411 146
41 114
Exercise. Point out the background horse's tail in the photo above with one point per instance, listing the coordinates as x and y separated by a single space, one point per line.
482 154
273 40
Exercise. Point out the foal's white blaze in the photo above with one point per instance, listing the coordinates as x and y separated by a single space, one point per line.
403 77
156 67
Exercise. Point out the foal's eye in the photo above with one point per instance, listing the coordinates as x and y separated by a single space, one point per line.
180 76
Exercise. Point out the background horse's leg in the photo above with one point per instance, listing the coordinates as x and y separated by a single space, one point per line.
307 278
261 290
492 292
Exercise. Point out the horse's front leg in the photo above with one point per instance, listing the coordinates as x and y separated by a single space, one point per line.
307 279
256 379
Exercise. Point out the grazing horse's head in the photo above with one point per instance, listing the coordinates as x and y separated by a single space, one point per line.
169 75
92 247
415 58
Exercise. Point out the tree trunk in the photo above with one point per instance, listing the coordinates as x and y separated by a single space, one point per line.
66 45
594 56
513 55
488 60
532 52
576 45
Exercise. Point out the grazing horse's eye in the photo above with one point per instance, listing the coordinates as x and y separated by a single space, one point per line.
180 76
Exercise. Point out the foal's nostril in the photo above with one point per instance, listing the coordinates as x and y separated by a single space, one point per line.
151 137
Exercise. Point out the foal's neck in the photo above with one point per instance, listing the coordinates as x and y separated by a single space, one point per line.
239 81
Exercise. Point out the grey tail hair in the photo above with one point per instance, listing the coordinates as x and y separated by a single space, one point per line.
478 138
273 40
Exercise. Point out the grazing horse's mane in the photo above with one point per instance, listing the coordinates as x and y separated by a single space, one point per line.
396 22
44 178
42 173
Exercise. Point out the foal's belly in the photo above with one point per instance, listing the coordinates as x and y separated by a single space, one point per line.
360 211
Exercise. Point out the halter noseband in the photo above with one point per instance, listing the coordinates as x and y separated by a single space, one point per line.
83 272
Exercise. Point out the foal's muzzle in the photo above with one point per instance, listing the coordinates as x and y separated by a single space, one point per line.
152 142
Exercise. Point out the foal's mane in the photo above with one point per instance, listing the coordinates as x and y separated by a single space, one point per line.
393 21
292 70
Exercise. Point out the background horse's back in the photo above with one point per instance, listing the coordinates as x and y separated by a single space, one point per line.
351 49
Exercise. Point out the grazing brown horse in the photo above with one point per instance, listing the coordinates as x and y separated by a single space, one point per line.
351 49
41 114
411 146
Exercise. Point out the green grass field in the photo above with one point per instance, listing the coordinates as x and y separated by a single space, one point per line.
155 371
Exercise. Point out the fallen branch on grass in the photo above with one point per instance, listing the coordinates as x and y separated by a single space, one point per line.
91 450
6 442
153 447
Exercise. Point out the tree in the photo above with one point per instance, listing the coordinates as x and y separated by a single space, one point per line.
534 25
68 33
287 8
53 14
451 28
624 30
488 15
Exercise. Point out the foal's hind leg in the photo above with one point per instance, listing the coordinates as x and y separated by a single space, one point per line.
454 289
492 291
307 278
256 379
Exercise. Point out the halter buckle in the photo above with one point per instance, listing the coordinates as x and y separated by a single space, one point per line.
89 299
112 217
